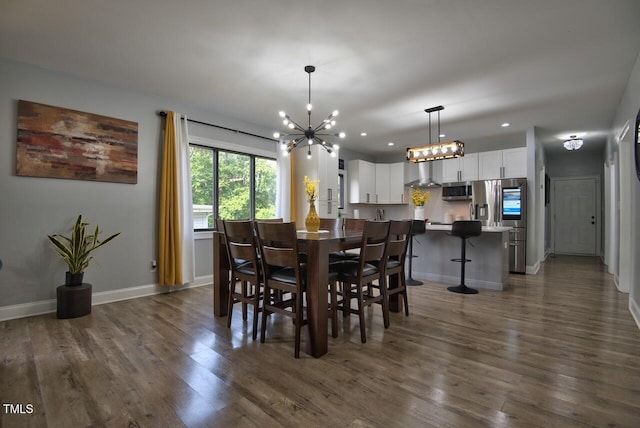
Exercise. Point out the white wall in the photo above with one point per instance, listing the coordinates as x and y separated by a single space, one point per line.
31 208
629 191
575 164
533 147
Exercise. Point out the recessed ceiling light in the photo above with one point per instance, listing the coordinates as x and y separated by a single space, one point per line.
504 125
363 134
390 143
442 135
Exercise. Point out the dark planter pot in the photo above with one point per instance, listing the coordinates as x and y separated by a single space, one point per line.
73 279
73 301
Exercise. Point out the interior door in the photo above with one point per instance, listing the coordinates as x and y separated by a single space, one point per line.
575 216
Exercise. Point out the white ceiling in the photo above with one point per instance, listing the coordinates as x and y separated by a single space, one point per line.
559 65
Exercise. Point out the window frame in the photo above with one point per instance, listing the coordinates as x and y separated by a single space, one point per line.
220 146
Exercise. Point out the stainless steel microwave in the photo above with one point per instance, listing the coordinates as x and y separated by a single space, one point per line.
457 192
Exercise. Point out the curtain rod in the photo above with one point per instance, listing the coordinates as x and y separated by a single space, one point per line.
164 114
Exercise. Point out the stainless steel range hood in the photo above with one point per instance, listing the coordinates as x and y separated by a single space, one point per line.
425 176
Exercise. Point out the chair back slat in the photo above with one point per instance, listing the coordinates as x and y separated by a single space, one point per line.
241 251
373 252
240 240
374 241
280 257
278 243
399 235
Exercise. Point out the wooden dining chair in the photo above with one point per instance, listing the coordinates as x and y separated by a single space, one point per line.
399 235
356 275
283 271
278 246
243 260
332 224
349 225
354 224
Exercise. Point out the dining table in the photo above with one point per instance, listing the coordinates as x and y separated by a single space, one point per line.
317 246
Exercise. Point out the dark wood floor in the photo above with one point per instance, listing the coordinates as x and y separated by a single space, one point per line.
557 349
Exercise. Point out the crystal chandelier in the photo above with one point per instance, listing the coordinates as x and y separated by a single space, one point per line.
573 143
311 135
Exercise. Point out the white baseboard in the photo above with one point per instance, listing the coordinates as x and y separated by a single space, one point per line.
48 306
621 287
27 309
635 311
532 270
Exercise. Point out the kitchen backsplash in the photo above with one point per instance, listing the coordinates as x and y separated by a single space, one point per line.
436 210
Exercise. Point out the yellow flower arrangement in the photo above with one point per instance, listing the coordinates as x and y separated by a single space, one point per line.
311 189
419 198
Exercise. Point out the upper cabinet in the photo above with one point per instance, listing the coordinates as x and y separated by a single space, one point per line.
371 183
515 162
382 183
362 182
460 169
509 163
396 183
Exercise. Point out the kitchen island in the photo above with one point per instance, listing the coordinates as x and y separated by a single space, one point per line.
489 253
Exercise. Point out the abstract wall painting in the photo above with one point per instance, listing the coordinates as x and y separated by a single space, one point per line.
56 142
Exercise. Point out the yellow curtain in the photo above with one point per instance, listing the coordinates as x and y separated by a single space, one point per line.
169 243
292 208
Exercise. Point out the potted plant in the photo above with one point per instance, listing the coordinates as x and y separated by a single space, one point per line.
76 249
419 198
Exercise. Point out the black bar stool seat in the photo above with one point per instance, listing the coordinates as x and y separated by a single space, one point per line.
464 229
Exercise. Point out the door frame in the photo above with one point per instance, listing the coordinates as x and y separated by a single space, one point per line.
599 213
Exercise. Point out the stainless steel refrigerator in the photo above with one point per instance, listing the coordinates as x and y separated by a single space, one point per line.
504 203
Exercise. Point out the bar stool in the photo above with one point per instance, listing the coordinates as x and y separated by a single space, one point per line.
463 230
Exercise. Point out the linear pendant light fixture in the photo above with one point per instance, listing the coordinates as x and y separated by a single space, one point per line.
310 135
436 151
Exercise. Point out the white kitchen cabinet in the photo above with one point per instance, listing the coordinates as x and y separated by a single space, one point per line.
514 162
376 183
460 169
382 183
450 170
396 183
508 163
362 182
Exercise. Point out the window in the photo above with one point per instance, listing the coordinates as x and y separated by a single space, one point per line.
234 185
230 185
265 188
201 159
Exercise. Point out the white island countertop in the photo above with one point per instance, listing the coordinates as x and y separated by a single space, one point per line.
447 228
